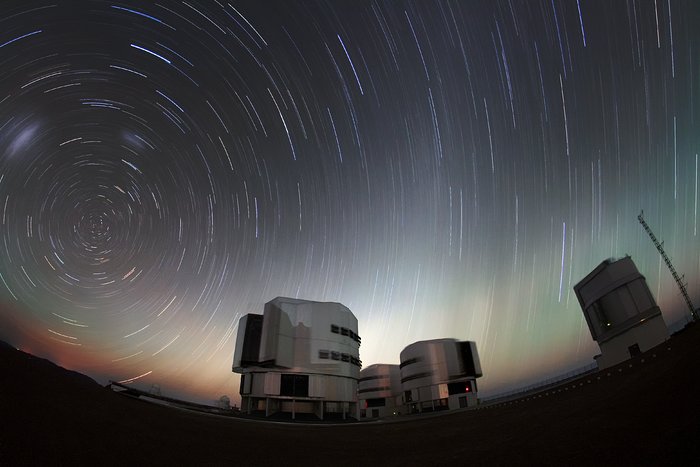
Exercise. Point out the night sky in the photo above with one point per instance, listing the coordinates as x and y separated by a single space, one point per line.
442 168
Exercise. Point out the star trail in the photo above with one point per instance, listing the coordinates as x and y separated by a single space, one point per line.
442 168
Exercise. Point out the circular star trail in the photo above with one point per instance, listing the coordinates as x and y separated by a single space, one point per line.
444 169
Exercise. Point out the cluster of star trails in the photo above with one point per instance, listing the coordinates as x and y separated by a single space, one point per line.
443 168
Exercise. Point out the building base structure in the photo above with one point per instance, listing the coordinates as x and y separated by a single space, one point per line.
633 342
319 408
270 392
442 396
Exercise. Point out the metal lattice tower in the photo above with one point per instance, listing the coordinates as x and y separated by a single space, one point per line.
667 260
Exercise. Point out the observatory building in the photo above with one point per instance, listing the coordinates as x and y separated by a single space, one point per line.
621 313
299 357
439 374
379 391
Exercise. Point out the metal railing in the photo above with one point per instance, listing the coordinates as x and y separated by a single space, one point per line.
541 384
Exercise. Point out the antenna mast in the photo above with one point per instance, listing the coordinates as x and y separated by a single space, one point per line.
667 260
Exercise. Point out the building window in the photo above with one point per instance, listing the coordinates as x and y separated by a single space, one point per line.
380 388
410 361
634 350
416 376
251 340
333 355
460 387
370 378
335 329
378 402
467 358
294 385
602 320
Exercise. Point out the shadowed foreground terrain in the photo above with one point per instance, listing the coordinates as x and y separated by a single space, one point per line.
648 413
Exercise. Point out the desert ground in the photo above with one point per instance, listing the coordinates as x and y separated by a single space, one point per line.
643 412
